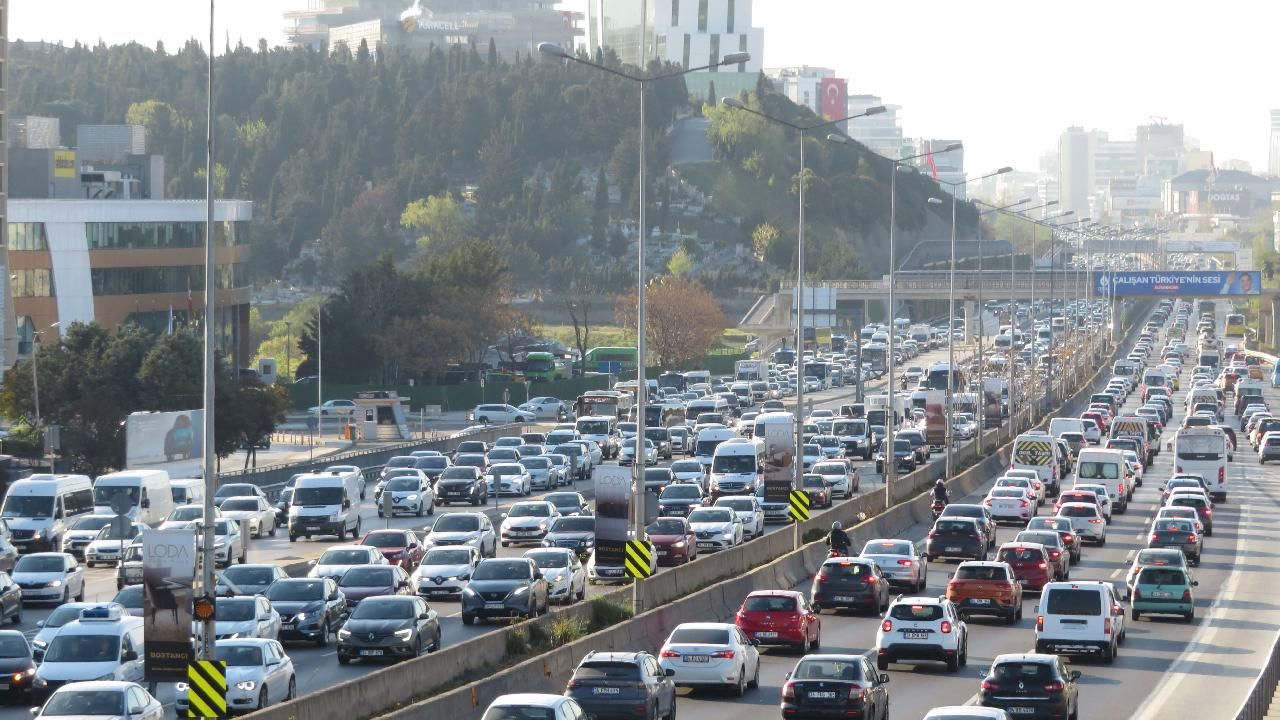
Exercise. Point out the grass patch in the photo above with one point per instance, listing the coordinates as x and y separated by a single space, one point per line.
601 335
605 613
813 535
517 642
567 629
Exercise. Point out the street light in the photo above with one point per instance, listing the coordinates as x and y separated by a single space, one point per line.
288 348
737 58
803 130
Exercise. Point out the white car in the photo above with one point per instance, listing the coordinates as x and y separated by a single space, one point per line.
711 654
1104 497
469 528
716 528
900 561
689 471
60 616
228 543
627 455
246 617
1011 503
543 407
510 478
104 699
83 531
811 384
185 517
543 474
49 576
256 510
749 512
566 577
337 560
1021 483
527 522
501 414
410 493
445 570
836 474
339 408
259 674
963 426
107 547
922 628
1086 520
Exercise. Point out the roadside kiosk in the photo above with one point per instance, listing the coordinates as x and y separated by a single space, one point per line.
379 415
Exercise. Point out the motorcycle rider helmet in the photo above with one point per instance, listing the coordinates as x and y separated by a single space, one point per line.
835 525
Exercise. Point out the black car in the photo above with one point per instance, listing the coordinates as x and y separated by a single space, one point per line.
504 587
850 582
389 626
461 484
568 504
831 686
310 608
656 479
16 665
1031 685
957 537
677 500
434 466
903 454
623 685
471 446
576 533
977 512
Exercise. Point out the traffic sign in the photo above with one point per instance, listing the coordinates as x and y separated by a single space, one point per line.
799 505
639 559
207 689
121 504
612 367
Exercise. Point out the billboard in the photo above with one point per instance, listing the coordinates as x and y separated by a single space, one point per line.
935 417
152 438
835 98
64 163
992 401
779 460
613 513
1187 283
168 573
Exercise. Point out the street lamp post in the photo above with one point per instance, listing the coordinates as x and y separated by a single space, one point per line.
556 51
207 636
288 348
803 131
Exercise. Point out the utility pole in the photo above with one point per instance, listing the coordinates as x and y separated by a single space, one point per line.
207 627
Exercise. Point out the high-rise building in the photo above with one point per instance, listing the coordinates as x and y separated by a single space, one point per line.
802 85
882 133
35 133
1159 149
9 344
948 167
1273 158
1075 171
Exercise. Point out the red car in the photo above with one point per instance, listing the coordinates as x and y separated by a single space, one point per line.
780 617
399 547
1096 417
674 540
1030 563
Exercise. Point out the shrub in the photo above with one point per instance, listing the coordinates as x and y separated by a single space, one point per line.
517 642
566 629
606 612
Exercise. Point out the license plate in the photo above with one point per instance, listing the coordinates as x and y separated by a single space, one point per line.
842 598
662 553
767 635
953 549
697 658
1161 594
706 544
1020 711
312 528
981 601
493 606
606 690
368 653
915 634
823 695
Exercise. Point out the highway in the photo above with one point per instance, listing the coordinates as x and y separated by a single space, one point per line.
317 668
1166 669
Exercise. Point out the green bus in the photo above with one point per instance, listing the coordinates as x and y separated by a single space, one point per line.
544 366
603 359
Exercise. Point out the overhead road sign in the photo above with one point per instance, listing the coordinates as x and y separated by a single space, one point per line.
1187 283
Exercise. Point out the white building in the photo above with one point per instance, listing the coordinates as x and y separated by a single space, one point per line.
802 85
1075 171
882 133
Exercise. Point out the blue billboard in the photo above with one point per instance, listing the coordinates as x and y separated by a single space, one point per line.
1184 283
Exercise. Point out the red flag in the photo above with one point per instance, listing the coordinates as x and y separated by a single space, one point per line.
1213 168
835 98
933 168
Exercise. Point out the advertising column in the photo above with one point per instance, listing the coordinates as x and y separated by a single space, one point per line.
168 573
613 505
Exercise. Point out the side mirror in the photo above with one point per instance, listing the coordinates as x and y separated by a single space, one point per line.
72 569
35 712
146 502
333 597
39 623
129 655
504 516
537 575
311 562
1195 583
884 678
346 504
1075 674
424 616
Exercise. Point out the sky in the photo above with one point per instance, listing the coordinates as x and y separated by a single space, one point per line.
1005 77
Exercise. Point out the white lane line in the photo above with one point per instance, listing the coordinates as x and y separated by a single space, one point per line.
1114 573
1128 557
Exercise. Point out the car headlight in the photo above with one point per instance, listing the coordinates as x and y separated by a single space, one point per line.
180 686
40 643
344 634
412 497
333 518
40 682
54 583
37 534
542 527
246 685
404 634
468 592
678 544
219 544
520 590
300 617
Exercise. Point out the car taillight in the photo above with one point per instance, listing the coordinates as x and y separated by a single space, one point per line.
789 692
1025 503
1043 566
1095 521
669 654
987 502
1106 626
856 692
1054 686
1153 537
1208 511
1178 468
1186 595
988 685
723 654
820 578
946 627
905 563
886 626
1039 623
1054 554
1191 537
932 534
1137 594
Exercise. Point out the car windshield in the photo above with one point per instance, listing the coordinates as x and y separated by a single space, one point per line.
367 577
238 655
711 515
665 527
686 466
236 609
295 590
13 646
28 506
1044 538
108 532
457 523
681 491
1180 526
769 603
384 609
385 539
829 669
1070 601
458 473
814 481
468 461
548 558
62 615
699 636
102 494
919 613
734 463
1098 470
519 712
845 569
738 504
503 570
232 504
97 703
887 548
431 463
1007 493
82 649
244 575
981 572
530 510
1161 576
955 526
330 495
537 463
574 524
38 564
183 514
404 482
1078 510
349 556
447 556
601 670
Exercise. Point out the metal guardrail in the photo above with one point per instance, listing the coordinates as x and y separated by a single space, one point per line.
1258 702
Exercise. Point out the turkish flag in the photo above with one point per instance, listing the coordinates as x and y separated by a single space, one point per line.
835 98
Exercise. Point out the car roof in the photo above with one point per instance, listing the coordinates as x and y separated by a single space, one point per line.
1027 657
536 699
98 685
918 600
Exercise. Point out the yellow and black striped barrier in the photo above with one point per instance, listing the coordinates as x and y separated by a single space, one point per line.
799 505
639 559
207 689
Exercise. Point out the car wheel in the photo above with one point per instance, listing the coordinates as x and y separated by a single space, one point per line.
882 663
468 619
293 688
355 533
436 642
80 595
741 688
1189 616
1109 655
343 659
66 595
17 616
1135 615
953 663
755 679
293 538
816 642
431 509
323 640
262 697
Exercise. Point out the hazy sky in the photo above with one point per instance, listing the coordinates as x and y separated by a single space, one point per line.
1005 77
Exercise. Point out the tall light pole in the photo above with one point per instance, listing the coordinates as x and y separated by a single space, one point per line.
207 636
803 131
288 348
553 50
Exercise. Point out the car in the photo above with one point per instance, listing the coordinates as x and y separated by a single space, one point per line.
247 580
410 493
563 570
86 527
841 477
1086 521
527 522
689 471
1163 591
108 545
130 598
780 617
543 475
366 581
679 499
1031 685
338 559
508 478
399 547
621 684
395 626
17 665
461 484
501 414
717 528
228 543
1059 557
818 489
259 673
45 577
711 655
856 583
1010 504
1177 534
922 628
1079 618
979 587
505 588
956 537
104 699
673 540
656 479
1198 501
1030 562
576 533
337 408
58 617
259 513
445 571
1183 513
310 608
545 407
246 617
965 712
1080 493
521 706
976 511
469 528
627 455
829 685
900 561
748 511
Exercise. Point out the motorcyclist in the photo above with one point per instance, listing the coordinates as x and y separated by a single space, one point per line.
940 492
838 540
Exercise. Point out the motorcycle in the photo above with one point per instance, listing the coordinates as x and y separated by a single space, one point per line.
938 507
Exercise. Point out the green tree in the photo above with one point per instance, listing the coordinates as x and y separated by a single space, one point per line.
438 220
681 263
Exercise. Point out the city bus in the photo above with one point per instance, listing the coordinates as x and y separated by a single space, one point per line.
874 357
1235 327
544 366
818 369
602 359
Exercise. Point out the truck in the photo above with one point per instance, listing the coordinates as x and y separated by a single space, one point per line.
922 334
751 370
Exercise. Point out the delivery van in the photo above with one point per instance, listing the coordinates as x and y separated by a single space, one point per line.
325 504
1105 467
40 509
148 491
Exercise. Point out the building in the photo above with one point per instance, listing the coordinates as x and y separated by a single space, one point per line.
34 132
802 85
1227 196
1159 149
946 167
1273 157
882 134
1075 171
690 33
126 261
110 143
9 344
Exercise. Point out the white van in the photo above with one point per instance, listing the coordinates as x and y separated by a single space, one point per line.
708 440
736 467
1105 467
1060 425
187 491
40 509
1039 452
1079 618
324 504
1203 451
104 644
148 491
